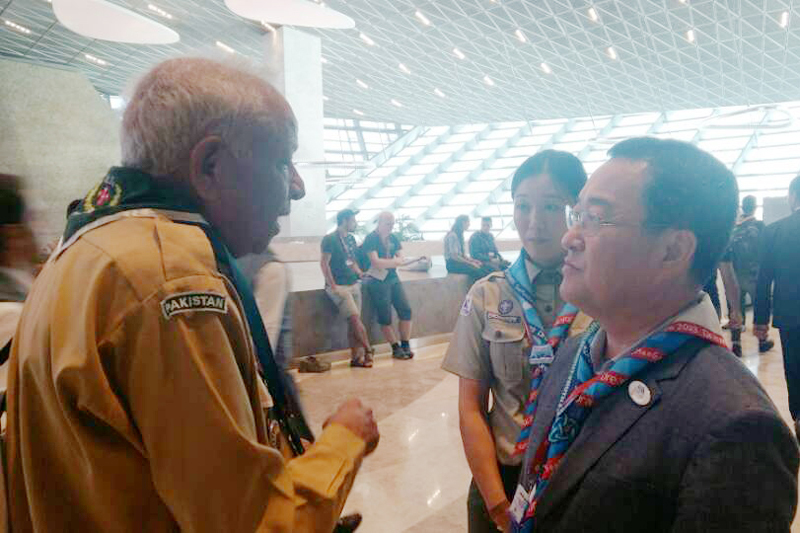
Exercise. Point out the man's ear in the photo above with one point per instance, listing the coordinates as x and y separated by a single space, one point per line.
679 249
204 168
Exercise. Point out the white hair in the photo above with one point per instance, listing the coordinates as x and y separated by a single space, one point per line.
385 215
180 101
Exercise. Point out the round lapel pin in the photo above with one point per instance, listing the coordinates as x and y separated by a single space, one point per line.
640 393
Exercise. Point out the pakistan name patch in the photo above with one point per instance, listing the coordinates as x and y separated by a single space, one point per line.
194 301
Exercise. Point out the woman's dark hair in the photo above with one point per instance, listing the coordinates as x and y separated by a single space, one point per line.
458 228
458 225
565 169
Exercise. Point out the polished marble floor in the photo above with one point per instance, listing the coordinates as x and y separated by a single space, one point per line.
416 481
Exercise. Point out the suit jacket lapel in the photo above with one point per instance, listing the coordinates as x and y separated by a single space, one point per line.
607 423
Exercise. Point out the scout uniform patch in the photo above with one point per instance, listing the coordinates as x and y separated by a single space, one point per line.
194 301
505 307
466 307
107 194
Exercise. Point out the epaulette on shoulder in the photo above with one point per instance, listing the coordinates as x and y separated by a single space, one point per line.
496 275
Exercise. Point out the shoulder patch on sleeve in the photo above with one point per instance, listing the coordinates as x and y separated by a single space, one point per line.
186 302
466 307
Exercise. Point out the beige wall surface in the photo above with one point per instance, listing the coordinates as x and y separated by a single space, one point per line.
296 251
58 134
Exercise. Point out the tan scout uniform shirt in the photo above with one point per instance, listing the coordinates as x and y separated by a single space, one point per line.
123 419
487 345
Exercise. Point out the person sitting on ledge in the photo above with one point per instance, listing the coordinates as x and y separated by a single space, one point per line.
343 284
455 256
483 248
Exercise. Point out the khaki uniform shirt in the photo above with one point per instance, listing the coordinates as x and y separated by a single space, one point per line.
130 411
488 345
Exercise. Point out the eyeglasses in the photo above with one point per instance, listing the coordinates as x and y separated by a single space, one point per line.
590 223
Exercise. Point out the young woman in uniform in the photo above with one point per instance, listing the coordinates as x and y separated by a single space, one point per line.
509 328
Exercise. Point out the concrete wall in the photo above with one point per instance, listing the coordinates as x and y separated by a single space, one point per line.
435 303
308 250
58 134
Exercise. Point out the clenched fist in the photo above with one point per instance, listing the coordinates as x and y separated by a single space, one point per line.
354 416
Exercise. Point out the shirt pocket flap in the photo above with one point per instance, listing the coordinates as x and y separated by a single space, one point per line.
503 329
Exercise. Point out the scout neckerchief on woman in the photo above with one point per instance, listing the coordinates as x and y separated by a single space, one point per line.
543 345
582 391
126 189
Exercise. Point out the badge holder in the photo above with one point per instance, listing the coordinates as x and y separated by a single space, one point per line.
520 503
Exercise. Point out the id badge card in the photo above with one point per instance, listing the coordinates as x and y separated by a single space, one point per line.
541 354
519 504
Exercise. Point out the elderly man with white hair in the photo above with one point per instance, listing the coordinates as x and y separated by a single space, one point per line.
134 401
383 285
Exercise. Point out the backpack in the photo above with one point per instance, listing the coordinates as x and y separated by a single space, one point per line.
744 247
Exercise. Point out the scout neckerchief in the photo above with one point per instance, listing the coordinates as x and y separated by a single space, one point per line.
582 391
126 189
543 345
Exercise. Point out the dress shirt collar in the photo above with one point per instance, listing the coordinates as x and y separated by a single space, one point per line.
552 275
701 312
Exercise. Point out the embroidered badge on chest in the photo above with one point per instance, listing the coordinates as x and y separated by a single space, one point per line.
501 318
187 302
505 307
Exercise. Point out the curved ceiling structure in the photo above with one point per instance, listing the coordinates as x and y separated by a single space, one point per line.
291 13
99 19
427 62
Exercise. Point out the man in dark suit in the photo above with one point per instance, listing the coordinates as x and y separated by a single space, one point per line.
780 265
648 422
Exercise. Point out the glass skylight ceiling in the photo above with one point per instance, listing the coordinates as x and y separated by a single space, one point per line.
434 174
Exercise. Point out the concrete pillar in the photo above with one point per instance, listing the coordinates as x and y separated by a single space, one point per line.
294 59
58 134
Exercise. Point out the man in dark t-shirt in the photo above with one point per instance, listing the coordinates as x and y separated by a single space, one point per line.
483 248
383 285
342 283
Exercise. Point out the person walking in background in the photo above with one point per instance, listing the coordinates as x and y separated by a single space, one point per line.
732 291
272 288
17 250
455 256
483 248
17 245
743 254
383 285
343 284
778 291
508 327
